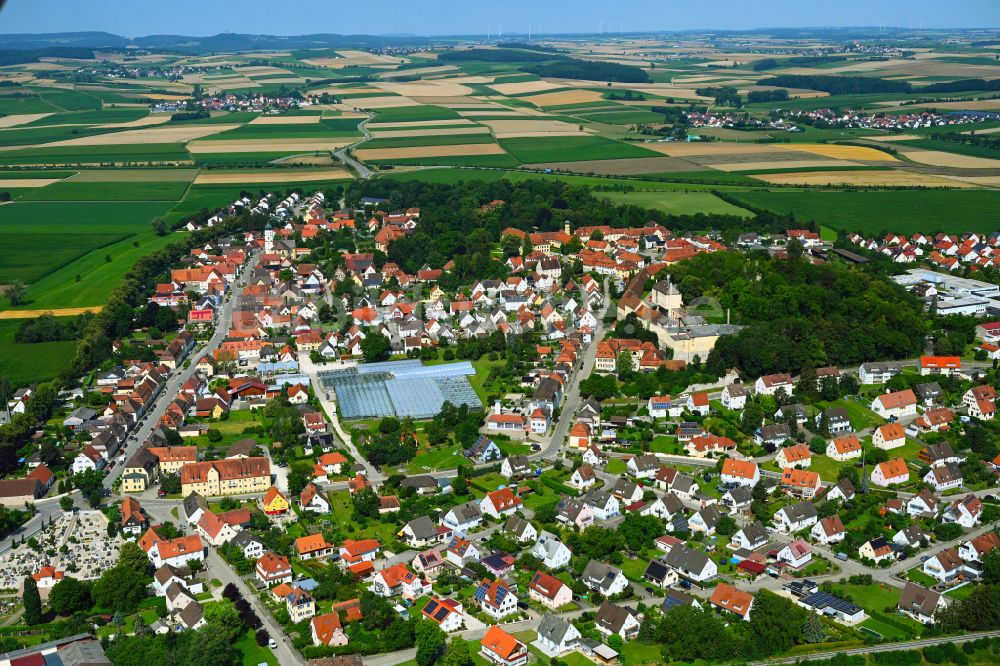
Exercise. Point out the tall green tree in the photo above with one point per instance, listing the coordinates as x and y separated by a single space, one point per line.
32 602
430 642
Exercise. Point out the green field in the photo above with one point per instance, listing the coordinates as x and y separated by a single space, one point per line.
457 160
436 140
24 364
537 150
149 152
101 117
70 190
410 113
677 203
320 130
29 258
869 212
102 228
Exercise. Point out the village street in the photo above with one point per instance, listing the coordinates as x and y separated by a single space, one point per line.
177 378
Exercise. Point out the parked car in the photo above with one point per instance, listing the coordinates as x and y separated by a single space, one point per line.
161 493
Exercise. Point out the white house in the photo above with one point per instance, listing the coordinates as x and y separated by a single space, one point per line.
553 553
899 404
796 554
795 517
944 477
557 635
734 397
751 537
844 448
889 436
828 530
890 472
740 472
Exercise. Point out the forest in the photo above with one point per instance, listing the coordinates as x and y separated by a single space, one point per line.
572 68
838 85
799 315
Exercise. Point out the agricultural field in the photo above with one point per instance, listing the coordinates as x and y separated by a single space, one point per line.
869 212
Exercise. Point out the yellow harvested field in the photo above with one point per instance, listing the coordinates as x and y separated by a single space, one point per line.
430 151
450 101
564 97
392 134
383 102
156 119
134 175
984 181
21 119
27 182
779 164
351 58
943 159
685 148
419 123
505 129
33 314
896 177
422 71
524 87
893 137
978 105
280 176
165 98
839 152
261 71
284 120
267 145
152 135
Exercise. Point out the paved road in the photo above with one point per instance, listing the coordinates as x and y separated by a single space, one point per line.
45 508
181 375
344 156
217 568
571 401
883 647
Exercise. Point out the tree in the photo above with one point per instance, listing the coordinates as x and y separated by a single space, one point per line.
751 419
159 226
366 503
813 631
458 653
262 637
626 366
223 618
32 602
687 633
726 526
639 531
69 596
375 347
776 623
817 445
210 648
15 292
120 588
430 642
991 568
132 556
66 503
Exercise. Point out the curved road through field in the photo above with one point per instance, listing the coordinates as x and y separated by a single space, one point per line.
347 160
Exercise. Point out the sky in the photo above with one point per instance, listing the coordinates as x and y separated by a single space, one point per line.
132 18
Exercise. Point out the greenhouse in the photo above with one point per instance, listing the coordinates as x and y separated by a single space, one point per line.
400 388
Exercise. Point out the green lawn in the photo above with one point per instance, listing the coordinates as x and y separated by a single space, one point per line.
252 653
677 202
615 466
23 364
917 576
635 653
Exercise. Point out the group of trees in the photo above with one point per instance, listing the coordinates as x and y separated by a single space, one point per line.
394 444
689 634
980 140
797 315
47 328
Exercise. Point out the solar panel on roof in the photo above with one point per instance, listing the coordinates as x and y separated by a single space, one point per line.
431 607
827 600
